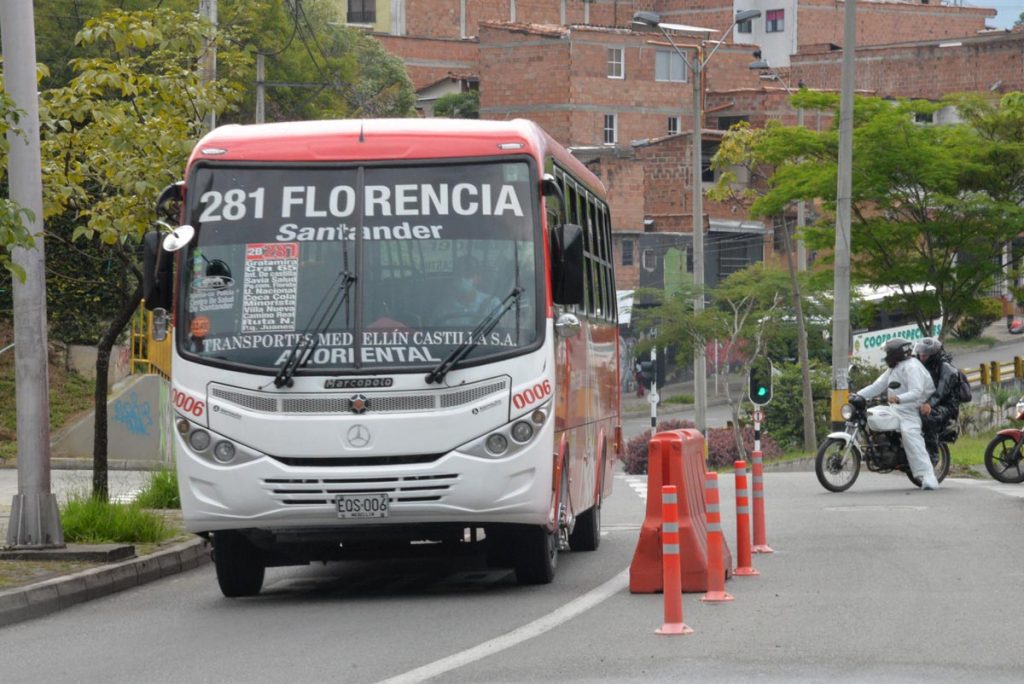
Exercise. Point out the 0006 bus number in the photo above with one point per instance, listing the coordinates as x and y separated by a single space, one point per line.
531 395
188 403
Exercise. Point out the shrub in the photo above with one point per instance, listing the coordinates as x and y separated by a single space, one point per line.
721 446
88 520
982 314
161 491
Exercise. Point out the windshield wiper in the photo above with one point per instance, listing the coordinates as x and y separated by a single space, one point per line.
482 328
309 340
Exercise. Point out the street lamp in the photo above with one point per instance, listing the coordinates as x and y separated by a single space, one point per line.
652 20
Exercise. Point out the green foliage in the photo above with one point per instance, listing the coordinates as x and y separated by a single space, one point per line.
783 417
161 491
88 520
979 316
464 105
70 395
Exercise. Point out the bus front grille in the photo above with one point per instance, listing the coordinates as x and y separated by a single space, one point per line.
312 491
352 461
375 401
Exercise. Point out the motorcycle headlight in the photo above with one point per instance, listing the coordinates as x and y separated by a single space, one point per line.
846 412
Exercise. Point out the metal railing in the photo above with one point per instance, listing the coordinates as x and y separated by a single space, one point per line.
148 355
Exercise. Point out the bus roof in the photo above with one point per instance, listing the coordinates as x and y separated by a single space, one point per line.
385 139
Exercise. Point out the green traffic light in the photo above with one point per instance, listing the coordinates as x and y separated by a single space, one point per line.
762 391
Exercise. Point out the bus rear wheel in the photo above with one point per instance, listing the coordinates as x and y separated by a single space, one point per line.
240 565
536 555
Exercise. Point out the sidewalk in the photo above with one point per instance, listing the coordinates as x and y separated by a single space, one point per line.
55 579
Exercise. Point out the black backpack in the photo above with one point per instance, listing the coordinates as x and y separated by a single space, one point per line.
964 388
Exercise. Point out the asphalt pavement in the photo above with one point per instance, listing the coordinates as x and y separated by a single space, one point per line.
39 599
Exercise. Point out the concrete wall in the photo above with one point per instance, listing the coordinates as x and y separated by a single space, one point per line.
82 360
139 427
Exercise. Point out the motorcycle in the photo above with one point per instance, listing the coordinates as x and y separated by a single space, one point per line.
872 436
1003 454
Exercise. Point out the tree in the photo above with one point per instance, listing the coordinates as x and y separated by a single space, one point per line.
741 148
116 134
747 315
316 66
922 211
464 105
12 229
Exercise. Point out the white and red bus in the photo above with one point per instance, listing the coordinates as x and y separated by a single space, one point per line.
389 335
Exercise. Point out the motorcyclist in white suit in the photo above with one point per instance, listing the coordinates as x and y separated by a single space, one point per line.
915 386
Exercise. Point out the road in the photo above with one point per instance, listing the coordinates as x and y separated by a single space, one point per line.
880 583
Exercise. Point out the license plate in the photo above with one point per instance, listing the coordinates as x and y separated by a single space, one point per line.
372 505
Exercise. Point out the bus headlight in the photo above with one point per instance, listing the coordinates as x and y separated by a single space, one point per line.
199 440
846 412
522 431
224 452
497 443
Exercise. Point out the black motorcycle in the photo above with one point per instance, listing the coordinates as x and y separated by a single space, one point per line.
872 435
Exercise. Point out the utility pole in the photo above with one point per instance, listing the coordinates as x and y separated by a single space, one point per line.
261 89
841 275
35 518
208 9
700 374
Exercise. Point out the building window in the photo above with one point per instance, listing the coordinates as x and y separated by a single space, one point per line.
362 11
673 125
669 66
745 26
727 122
616 66
611 134
627 252
775 21
924 117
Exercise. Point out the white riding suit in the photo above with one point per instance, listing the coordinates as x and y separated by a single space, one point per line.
915 387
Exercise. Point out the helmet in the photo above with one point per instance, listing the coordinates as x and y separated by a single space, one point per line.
897 349
929 350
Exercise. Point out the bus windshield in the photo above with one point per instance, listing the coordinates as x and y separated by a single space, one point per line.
433 249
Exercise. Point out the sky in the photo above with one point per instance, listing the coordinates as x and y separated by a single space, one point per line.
1009 11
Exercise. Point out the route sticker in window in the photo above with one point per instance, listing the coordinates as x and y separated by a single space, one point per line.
271 286
200 326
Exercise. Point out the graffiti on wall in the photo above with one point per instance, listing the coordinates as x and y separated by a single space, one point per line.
135 415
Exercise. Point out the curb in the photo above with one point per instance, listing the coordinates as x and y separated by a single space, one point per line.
52 595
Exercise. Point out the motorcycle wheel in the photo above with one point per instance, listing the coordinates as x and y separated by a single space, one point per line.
836 467
998 462
940 464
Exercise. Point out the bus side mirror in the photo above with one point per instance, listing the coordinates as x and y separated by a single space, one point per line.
567 264
157 272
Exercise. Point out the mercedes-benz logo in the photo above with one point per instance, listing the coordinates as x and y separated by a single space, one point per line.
358 435
359 403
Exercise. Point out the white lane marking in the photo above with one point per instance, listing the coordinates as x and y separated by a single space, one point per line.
528 631
1016 491
638 483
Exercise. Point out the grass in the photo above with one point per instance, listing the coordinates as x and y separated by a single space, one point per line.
70 394
161 491
678 399
87 520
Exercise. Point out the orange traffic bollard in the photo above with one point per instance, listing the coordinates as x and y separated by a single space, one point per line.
744 565
670 564
760 543
716 566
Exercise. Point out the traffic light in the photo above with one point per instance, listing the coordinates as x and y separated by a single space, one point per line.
760 391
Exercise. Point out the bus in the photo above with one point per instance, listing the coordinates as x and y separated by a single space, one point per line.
389 336
881 314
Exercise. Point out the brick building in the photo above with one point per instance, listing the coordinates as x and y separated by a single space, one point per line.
622 101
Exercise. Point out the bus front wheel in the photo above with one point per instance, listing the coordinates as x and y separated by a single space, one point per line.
536 555
240 565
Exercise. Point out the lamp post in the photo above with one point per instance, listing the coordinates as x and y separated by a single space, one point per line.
696 68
